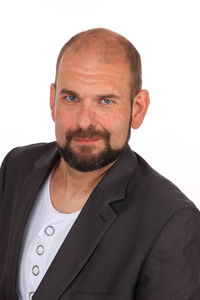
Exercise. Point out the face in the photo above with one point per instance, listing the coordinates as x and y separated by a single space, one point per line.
91 108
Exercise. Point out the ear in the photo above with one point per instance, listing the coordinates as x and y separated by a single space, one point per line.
139 108
52 100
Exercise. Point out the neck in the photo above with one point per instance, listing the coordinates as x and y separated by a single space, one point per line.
70 188
73 178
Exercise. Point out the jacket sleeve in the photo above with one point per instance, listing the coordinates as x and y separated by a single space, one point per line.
172 269
3 173
2 178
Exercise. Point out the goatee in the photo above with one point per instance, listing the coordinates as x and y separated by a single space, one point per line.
85 160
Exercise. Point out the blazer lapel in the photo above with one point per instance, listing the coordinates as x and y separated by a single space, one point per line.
92 223
22 205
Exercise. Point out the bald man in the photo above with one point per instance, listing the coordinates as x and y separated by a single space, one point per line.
86 218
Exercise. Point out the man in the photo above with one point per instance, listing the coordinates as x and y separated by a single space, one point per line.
85 217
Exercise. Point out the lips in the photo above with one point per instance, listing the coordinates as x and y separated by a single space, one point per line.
86 140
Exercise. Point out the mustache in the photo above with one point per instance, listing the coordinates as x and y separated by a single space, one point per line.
89 133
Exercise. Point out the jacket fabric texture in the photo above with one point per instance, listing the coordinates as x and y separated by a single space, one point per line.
136 238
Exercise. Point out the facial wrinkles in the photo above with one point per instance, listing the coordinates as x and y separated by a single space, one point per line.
89 70
92 63
107 80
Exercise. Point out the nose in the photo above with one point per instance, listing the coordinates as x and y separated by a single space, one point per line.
86 117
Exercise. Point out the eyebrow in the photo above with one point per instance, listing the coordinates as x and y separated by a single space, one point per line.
103 96
70 92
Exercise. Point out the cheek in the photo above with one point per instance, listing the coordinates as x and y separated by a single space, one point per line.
63 120
118 127
118 120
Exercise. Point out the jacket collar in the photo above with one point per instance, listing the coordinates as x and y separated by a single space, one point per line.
94 220
92 223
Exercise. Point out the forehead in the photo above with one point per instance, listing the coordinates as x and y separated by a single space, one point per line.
93 68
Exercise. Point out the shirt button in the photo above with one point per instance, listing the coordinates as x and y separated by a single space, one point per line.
35 270
31 295
40 249
49 230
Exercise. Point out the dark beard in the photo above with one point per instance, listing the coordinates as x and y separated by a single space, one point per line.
86 161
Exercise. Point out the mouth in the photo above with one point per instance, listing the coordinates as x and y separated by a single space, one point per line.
86 141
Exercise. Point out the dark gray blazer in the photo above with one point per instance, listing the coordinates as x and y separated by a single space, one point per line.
137 237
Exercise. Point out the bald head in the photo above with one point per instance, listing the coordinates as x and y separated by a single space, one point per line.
109 47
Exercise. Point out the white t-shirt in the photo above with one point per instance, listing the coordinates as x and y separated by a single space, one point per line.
45 232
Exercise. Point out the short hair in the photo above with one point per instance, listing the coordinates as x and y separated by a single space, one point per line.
131 54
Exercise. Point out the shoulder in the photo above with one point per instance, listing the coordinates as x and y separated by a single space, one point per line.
28 153
155 198
155 184
22 159
20 162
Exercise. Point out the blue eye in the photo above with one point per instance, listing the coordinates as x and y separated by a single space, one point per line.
106 101
71 98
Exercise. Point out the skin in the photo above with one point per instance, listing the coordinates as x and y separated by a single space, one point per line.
90 92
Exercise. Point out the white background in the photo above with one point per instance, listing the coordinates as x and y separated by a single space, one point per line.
167 35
